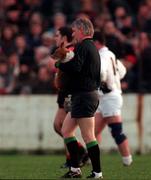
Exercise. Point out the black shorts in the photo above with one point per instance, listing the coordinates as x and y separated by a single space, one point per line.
61 98
84 104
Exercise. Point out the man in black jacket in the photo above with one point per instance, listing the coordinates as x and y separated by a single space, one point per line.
84 72
62 80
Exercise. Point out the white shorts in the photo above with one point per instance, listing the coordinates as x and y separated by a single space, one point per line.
110 104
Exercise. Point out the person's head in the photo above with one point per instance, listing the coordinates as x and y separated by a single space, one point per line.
13 13
144 40
101 19
59 20
99 39
36 18
20 41
120 12
13 59
41 53
109 28
47 39
3 67
43 74
63 35
143 11
36 29
7 32
82 28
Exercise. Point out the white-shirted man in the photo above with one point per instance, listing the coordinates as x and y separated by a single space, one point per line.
111 101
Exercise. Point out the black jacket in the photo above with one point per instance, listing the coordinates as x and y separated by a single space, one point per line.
84 68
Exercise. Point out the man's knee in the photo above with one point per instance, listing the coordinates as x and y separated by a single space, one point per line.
66 132
117 132
88 136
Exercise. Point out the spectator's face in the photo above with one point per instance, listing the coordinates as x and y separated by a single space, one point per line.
20 42
87 5
24 69
144 40
36 18
120 12
14 15
127 21
135 44
43 74
109 28
100 20
143 11
3 68
36 29
40 54
13 59
47 42
59 21
8 33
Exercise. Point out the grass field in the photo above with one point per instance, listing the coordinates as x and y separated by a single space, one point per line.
48 167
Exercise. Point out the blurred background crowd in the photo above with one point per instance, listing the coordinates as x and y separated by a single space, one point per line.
27 32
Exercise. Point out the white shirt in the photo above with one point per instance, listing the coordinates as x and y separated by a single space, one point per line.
112 70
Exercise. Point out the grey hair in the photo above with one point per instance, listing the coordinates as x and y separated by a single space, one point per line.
85 25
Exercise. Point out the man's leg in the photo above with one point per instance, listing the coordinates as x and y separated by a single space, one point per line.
58 121
68 132
99 126
115 125
87 130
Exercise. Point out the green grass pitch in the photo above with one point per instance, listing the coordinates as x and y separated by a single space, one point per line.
48 167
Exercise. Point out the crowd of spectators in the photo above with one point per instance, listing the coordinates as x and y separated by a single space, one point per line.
27 32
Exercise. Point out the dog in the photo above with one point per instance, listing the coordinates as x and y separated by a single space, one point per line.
63 55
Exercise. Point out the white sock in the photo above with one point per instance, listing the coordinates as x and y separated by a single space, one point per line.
97 175
127 160
75 169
